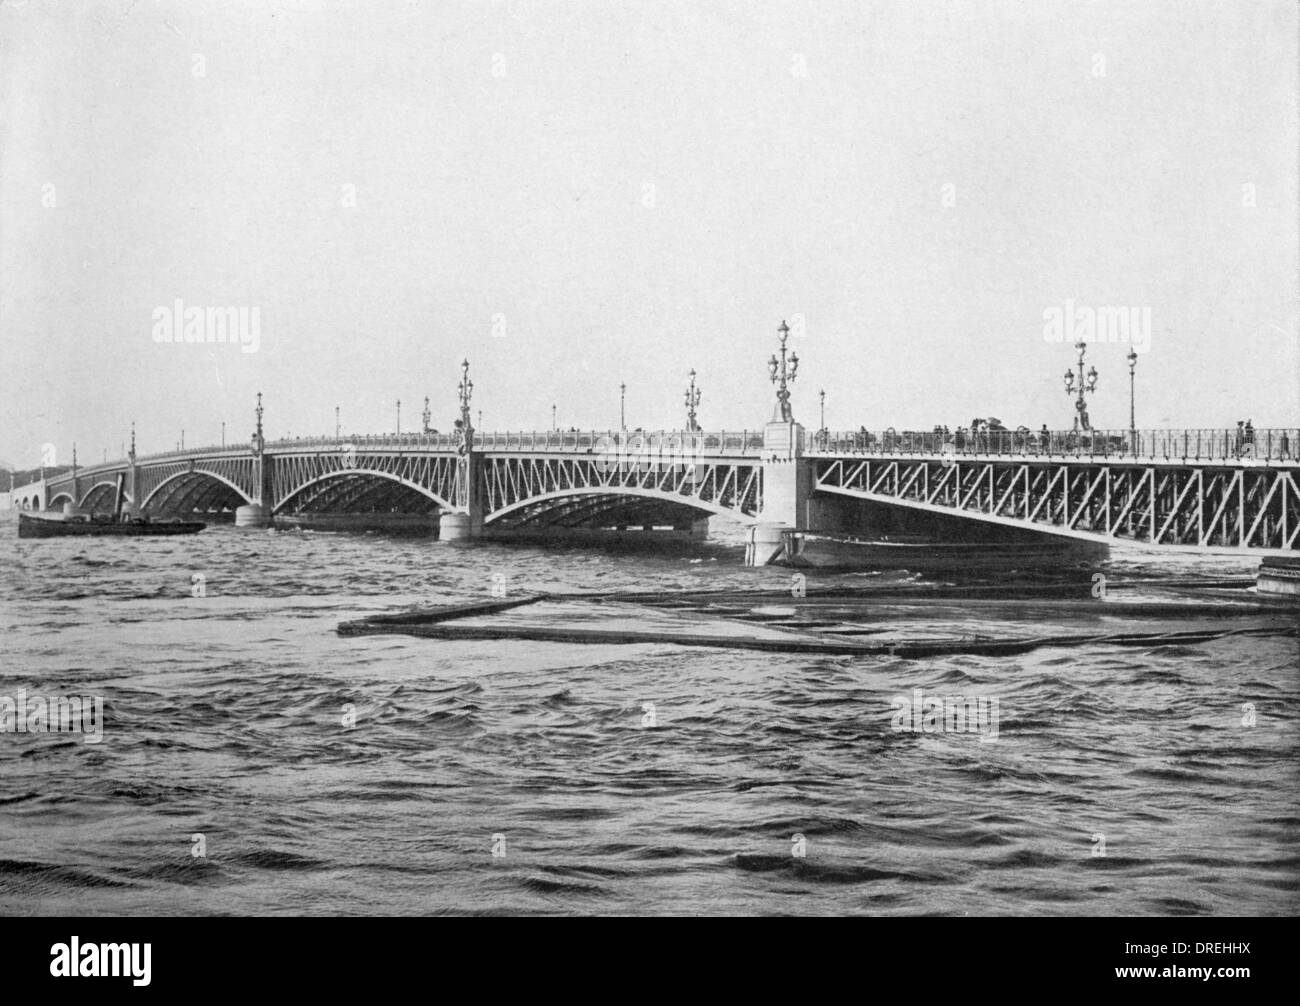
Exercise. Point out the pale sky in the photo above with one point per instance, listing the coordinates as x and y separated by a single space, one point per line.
633 190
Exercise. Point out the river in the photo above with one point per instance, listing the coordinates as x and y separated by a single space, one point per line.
252 761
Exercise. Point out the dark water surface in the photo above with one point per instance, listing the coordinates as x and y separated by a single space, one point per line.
224 718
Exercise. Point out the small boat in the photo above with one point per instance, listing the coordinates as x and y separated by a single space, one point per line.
38 525
52 526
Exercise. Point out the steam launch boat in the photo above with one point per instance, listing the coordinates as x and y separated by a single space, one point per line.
71 523
51 526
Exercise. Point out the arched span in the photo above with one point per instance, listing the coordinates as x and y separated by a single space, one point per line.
189 475
101 492
653 494
60 499
352 472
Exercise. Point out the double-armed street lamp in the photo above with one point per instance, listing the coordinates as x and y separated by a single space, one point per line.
692 403
1084 383
783 373
465 392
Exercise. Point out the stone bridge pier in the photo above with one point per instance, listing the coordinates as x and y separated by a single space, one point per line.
790 499
461 526
257 513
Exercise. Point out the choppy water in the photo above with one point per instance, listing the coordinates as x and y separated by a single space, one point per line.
224 718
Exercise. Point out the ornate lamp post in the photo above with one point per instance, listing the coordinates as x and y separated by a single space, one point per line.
783 374
554 424
1084 383
692 403
822 395
258 439
131 457
622 406
336 422
425 416
465 391
223 433
1132 413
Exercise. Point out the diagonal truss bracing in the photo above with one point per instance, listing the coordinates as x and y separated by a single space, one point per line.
719 486
1188 507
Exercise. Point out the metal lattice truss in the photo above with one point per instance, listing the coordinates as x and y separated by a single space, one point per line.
1188 507
174 485
364 479
196 483
524 488
98 497
337 480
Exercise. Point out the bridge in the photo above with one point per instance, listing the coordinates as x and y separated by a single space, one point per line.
1181 490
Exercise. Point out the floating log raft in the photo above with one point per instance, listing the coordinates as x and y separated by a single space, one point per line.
430 615
909 649
835 618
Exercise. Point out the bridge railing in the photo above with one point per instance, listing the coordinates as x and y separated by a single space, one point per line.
183 452
558 441
596 441
368 441
1274 444
1277 444
742 442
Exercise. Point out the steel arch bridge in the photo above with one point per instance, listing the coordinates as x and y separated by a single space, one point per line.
524 479
1188 490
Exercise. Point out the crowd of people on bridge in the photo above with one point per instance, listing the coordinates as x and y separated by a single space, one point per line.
991 435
